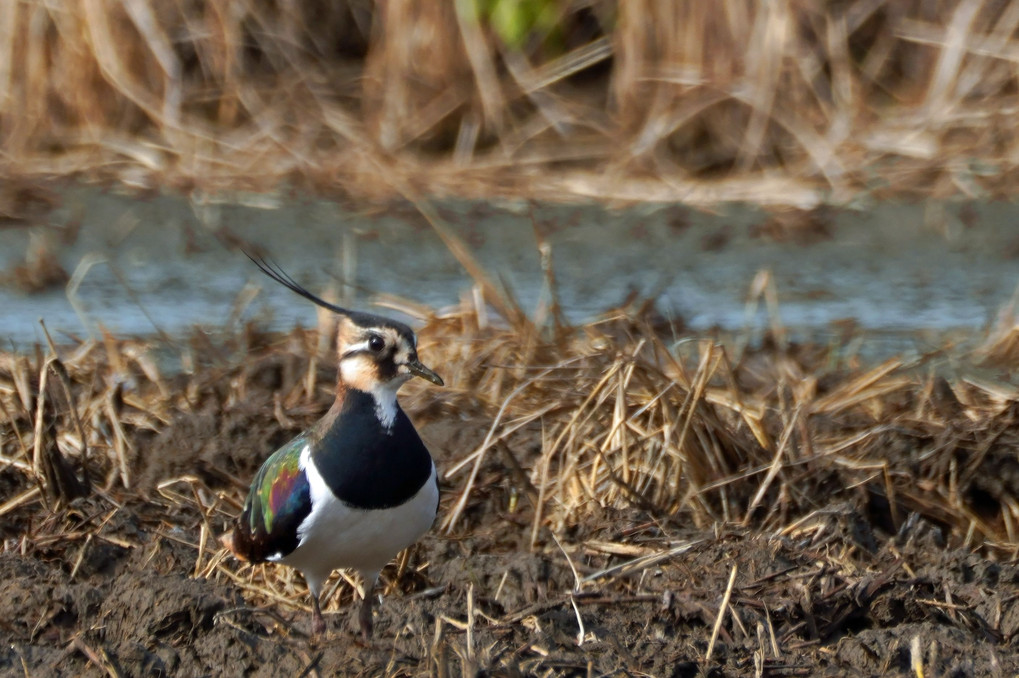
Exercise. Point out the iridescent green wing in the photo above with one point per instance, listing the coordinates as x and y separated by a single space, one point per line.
278 501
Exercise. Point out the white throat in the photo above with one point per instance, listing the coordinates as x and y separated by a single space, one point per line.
384 396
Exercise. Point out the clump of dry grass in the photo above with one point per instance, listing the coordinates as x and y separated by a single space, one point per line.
790 103
629 418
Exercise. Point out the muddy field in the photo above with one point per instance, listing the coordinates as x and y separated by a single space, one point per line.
132 583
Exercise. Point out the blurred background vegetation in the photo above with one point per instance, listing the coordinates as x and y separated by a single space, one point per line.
790 101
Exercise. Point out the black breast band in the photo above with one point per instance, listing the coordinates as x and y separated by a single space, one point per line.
367 466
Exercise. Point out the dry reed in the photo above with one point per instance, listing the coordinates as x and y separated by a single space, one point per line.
788 103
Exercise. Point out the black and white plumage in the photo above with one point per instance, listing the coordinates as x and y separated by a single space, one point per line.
359 486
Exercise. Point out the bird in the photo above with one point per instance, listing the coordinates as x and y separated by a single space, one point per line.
359 486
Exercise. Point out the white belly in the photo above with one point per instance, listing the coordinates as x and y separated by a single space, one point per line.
336 536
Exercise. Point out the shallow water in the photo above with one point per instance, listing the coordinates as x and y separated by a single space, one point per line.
895 270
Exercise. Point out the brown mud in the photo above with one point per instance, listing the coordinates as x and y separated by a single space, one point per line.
133 584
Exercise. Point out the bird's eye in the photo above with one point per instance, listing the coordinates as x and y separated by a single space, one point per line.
376 343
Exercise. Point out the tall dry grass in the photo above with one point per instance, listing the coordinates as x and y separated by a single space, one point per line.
782 102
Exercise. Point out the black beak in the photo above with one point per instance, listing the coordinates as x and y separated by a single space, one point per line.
419 370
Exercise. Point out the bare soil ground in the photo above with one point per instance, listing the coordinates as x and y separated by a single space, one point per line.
131 583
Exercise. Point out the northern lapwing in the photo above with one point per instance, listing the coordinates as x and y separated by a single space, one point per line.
359 486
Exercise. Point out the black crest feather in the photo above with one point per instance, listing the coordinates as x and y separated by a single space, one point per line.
273 270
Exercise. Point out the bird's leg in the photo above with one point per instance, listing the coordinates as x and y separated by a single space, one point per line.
365 613
318 624
365 617
314 582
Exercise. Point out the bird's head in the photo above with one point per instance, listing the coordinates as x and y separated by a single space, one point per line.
375 353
